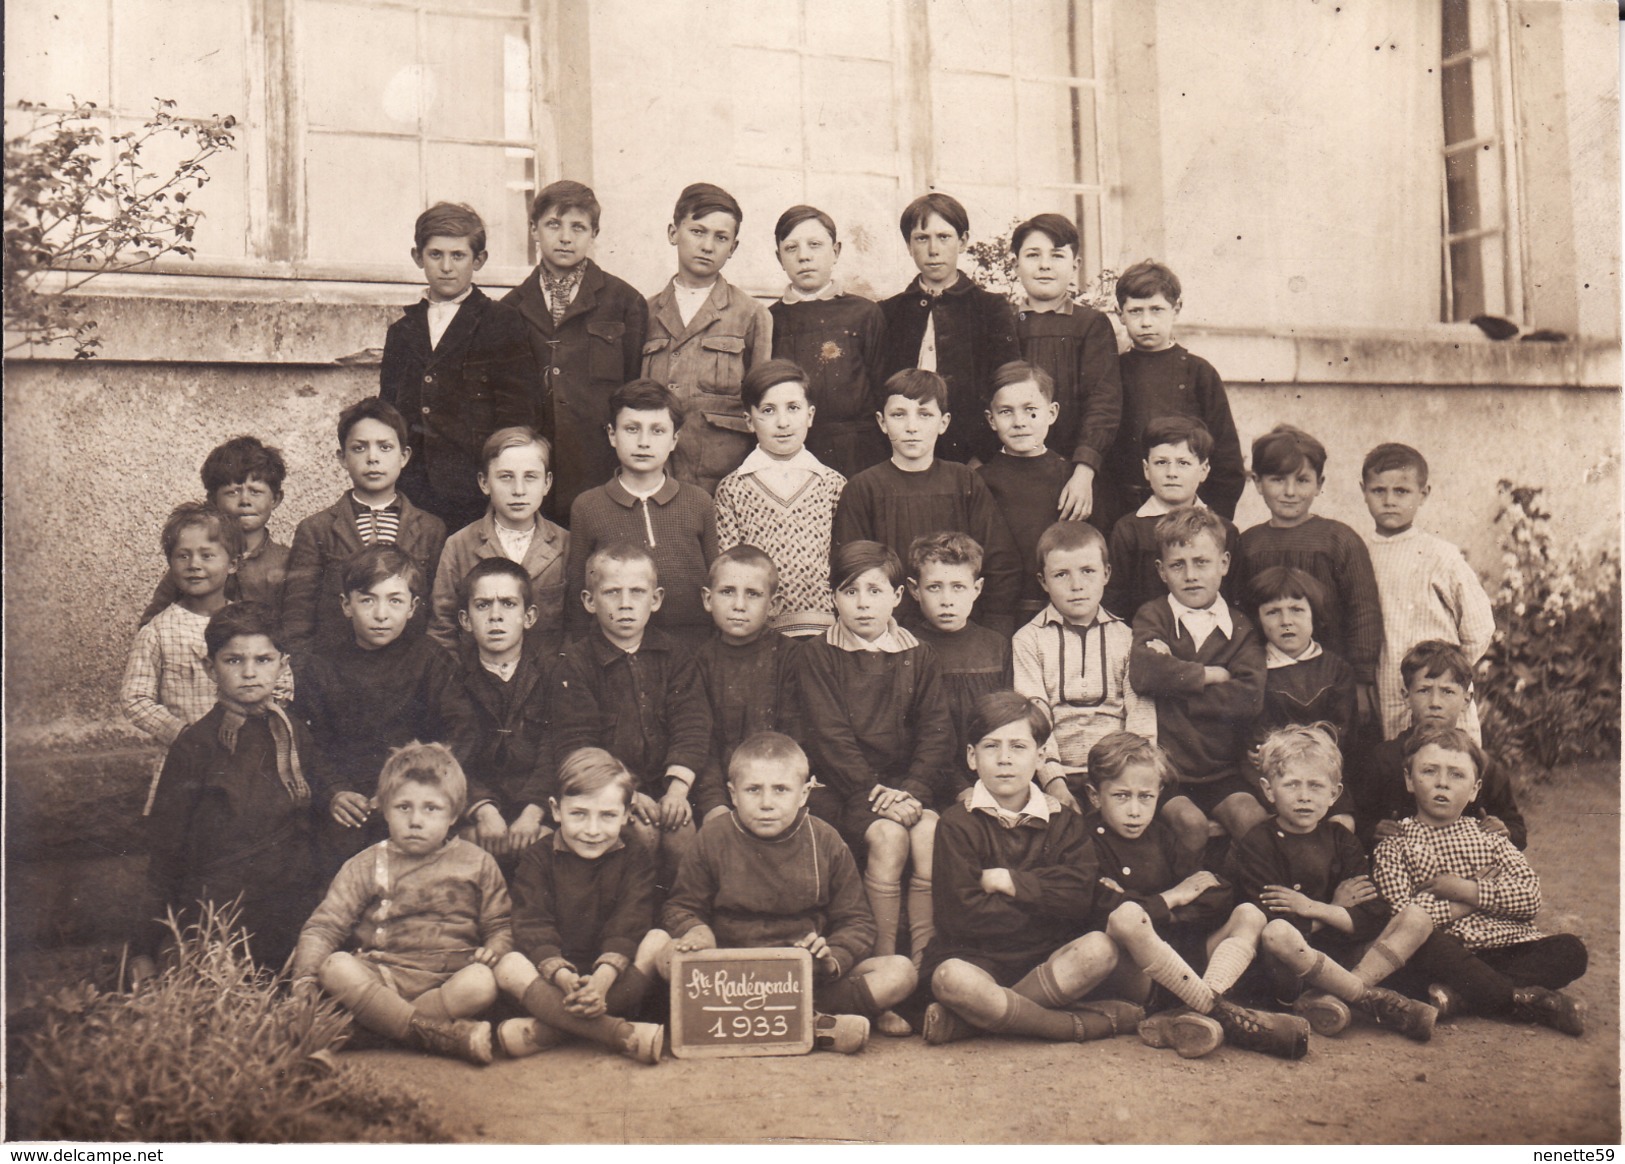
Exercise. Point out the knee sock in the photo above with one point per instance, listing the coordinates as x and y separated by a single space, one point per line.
1165 966
1325 974
1228 962
378 1008
1040 986
849 995
886 903
1023 1016
921 926
1379 962
627 994
545 1001
431 1004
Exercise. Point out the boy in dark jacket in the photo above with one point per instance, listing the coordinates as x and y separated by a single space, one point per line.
586 330
457 366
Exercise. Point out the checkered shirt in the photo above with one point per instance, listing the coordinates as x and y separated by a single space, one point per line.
1509 891
165 684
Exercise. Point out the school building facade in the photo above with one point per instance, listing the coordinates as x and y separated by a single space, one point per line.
1340 184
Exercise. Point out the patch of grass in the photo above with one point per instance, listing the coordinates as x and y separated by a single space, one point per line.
213 1049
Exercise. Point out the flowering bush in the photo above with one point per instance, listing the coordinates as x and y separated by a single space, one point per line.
1550 684
995 270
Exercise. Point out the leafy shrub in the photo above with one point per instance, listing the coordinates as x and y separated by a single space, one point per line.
210 1050
1550 683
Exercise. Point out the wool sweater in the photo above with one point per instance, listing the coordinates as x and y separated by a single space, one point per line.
568 907
423 912
755 891
1314 864
974 662
1134 554
749 689
544 561
1078 348
975 333
1173 382
1205 729
1027 491
677 525
511 763
1335 556
795 532
1141 868
893 507
839 343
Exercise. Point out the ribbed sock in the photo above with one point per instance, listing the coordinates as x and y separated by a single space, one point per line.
921 925
1228 962
378 1008
886 903
1040 986
431 1004
546 1002
1166 967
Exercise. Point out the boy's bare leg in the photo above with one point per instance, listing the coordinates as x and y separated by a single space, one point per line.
1034 1005
356 987
871 987
468 992
1131 928
888 844
1188 822
1403 936
1239 813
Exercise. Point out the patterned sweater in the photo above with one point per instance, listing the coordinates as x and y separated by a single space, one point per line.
793 531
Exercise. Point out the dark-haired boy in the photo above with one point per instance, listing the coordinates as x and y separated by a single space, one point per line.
457 364
373 450
377 689
586 336
510 769
1160 378
1076 346
232 815
917 493
704 335
243 479
944 323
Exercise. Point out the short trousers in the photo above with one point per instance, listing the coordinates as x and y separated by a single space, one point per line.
1209 795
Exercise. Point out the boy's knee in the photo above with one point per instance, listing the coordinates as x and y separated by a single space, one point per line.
1126 920
953 980
339 970
1249 917
515 973
656 950
478 981
891 978
1094 952
888 846
1280 937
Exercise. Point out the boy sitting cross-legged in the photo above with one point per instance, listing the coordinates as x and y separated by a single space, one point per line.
1014 885
1177 450
373 450
645 504
629 689
1074 656
916 493
1203 663
516 479
232 816
243 479
1484 955
772 874
1312 878
945 578
1162 911
426 915
585 901
744 668
505 676
378 690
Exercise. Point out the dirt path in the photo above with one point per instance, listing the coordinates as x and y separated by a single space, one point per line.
1477 1082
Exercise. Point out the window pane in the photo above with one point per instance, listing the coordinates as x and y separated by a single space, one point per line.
194 51
475 65
1055 134
850 119
850 28
765 23
497 183
223 230
971 36
381 88
763 195
974 120
516 7
1053 40
767 107
362 198
50 55
874 261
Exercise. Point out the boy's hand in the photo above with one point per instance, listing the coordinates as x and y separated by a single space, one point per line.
1214 675
675 811
645 809
1495 826
698 938
1116 888
351 809
1189 889
1078 497
823 957
1385 828
895 805
1355 891
568 981
587 999
526 829
998 881
485 956
1158 647
1280 899
490 830
1453 888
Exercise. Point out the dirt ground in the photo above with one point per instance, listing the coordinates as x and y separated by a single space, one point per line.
1478 1081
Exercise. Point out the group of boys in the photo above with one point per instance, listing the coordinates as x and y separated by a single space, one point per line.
1048 719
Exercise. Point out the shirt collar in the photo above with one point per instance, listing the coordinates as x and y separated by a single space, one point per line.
830 290
1156 507
443 303
1035 811
623 496
360 506
606 652
1050 616
1275 657
893 640
757 460
1065 307
1203 621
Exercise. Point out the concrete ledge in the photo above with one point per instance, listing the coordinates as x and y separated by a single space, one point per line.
77 803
